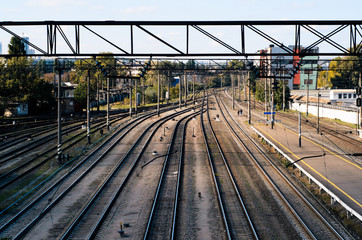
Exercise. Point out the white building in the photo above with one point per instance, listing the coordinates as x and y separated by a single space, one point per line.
276 65
279 66
1 52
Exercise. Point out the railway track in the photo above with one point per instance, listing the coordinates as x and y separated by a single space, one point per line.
236 218
162 219
89 221
64 192
316 224
84 166
28 166
337 136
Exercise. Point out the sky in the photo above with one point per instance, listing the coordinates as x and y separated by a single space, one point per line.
168 10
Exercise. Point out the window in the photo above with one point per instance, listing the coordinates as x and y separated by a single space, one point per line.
344 95
354 95
349 95
340 95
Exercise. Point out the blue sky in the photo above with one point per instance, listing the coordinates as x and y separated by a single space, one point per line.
167 10
178 10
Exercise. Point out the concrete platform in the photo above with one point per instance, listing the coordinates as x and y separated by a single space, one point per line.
339 174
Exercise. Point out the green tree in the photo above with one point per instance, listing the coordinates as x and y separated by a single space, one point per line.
41 99
324 80
278 96
16 47
80 94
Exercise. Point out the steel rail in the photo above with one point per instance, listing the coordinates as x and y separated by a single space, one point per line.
180 170
162 179
250 222
334 231
213 174
59 181
25 230
17 177
268 178
104 214
36 143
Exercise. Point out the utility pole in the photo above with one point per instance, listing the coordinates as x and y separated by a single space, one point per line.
158 93
108 103
88 107
266 98
239 85
272 104
185 76
135 97
309 71
59 112
168 87
245 92
143 92
284 103
307 96
130 97
232 89
193 88
98 94
318 112
179 92
360 108
249 110
299 129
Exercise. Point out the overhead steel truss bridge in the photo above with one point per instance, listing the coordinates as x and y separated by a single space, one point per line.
343 37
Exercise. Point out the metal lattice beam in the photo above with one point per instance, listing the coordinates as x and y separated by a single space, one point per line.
74 41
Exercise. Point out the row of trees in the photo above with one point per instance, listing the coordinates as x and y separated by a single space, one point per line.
20 81
342 72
